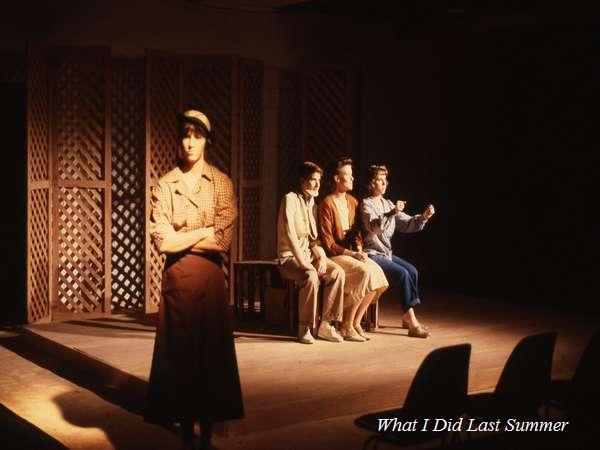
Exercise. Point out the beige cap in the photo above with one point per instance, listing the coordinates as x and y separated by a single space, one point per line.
196 116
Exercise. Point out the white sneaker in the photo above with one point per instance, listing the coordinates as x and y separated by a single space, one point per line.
304 336
328 332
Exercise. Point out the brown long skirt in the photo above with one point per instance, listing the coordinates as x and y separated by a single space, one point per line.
194 373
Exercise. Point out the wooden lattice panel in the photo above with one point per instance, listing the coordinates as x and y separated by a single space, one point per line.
81 178
251 221
251 77
38 188
38 304
163 91
80 218
326 116
251 103
128 195
39 119
164 101
79 93
289 129
208 87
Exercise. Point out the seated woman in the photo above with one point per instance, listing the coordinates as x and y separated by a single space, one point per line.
381 219
303 260
365 281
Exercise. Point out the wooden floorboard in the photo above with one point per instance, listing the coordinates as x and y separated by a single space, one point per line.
284 382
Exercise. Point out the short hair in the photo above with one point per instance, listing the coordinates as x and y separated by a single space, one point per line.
333 169
373 171
307 168
195 122
338 164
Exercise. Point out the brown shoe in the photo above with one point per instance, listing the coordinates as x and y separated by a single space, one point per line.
418 332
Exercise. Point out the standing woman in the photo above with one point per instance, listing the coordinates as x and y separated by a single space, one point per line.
194 375
341 238
381 219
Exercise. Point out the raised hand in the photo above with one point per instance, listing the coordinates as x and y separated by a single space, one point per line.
429 211
400 204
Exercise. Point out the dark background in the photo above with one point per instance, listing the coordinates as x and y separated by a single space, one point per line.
13 218
512 174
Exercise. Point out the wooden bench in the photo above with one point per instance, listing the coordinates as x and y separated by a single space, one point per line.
261 294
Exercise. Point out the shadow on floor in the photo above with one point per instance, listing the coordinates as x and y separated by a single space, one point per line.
113 385
17 434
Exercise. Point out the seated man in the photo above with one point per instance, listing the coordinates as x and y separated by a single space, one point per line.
302 259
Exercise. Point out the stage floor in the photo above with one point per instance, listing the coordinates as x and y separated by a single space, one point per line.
286 384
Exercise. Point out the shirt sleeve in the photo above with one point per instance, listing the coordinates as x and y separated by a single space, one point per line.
225 211
161 214
409 224
372 221
289 228
315 242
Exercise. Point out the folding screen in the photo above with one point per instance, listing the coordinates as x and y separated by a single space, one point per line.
38 188
81 179
128 128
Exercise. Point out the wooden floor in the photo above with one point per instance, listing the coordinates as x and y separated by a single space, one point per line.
286 383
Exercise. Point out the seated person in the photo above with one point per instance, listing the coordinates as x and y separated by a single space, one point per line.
365 281
303 260
381 219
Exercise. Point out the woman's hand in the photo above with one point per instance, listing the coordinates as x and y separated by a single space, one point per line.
429 211
321 266
399 207
307 267
361 256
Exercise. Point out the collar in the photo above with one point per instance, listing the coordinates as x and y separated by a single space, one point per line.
310 202
176 175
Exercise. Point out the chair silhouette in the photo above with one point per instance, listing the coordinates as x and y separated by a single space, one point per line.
523 384
580 396
438 390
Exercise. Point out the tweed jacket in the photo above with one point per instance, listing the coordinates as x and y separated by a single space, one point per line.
212 203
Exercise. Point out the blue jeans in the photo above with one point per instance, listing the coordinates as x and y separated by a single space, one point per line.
403 275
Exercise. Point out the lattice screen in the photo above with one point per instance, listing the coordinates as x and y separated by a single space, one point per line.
163 92
326 116
82 191
128 196
290 129
38 189
81 249
251 99
109 146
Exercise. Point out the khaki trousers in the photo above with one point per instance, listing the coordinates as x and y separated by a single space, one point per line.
308 297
